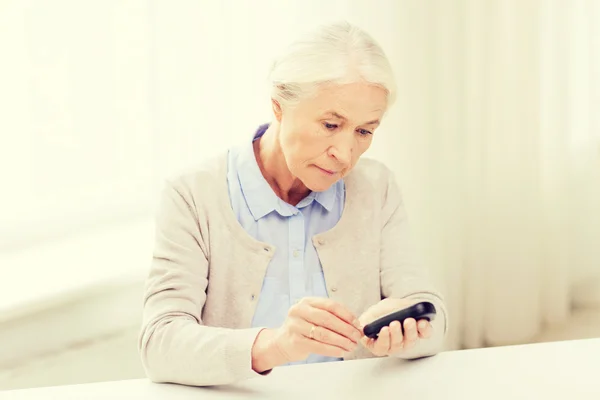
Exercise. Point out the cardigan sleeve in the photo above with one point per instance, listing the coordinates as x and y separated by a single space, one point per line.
403 275
174 345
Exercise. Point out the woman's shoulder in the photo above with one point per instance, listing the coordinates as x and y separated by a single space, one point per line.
202 181
373 182
371 175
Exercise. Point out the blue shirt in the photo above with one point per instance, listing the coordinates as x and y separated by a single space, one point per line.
295 270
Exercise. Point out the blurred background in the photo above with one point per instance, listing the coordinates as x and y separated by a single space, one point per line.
495 140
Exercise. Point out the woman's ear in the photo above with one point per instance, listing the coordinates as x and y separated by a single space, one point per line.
277 111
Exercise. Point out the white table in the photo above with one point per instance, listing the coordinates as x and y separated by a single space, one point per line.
568 370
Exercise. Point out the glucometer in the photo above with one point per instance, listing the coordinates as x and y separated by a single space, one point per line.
424 310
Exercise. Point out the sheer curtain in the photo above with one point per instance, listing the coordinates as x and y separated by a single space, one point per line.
500 143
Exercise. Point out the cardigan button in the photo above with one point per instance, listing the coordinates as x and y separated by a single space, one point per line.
322 242
334 289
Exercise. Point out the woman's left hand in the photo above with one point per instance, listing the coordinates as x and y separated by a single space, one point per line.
391 340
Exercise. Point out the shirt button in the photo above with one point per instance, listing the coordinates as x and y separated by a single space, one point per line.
296 253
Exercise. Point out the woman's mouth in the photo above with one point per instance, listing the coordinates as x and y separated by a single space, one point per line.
327 171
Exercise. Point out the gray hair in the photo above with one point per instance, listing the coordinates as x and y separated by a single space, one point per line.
338 53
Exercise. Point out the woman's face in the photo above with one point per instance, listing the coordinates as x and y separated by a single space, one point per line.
323 137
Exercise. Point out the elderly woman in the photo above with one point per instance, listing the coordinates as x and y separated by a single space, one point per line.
281 250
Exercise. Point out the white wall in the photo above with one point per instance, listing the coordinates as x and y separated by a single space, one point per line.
76 128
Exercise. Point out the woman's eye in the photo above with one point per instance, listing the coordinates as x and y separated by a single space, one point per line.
329 126
364 132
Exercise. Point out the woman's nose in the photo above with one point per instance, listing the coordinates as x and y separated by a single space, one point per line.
341 150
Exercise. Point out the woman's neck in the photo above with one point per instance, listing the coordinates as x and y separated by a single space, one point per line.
273 167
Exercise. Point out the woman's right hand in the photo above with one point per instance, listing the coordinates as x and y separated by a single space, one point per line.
313 326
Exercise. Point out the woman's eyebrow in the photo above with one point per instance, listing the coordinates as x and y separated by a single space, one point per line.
338 115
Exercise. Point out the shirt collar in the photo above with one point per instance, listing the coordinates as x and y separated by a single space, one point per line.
326 199
259 196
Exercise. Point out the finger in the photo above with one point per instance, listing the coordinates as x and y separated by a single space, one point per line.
319 317
367 342
320 348
323 335
410 333
334 308
332 315
424 328
382 344
396 337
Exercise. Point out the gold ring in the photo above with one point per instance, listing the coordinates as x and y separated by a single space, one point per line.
312 332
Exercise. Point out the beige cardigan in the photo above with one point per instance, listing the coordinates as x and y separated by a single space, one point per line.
207 272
